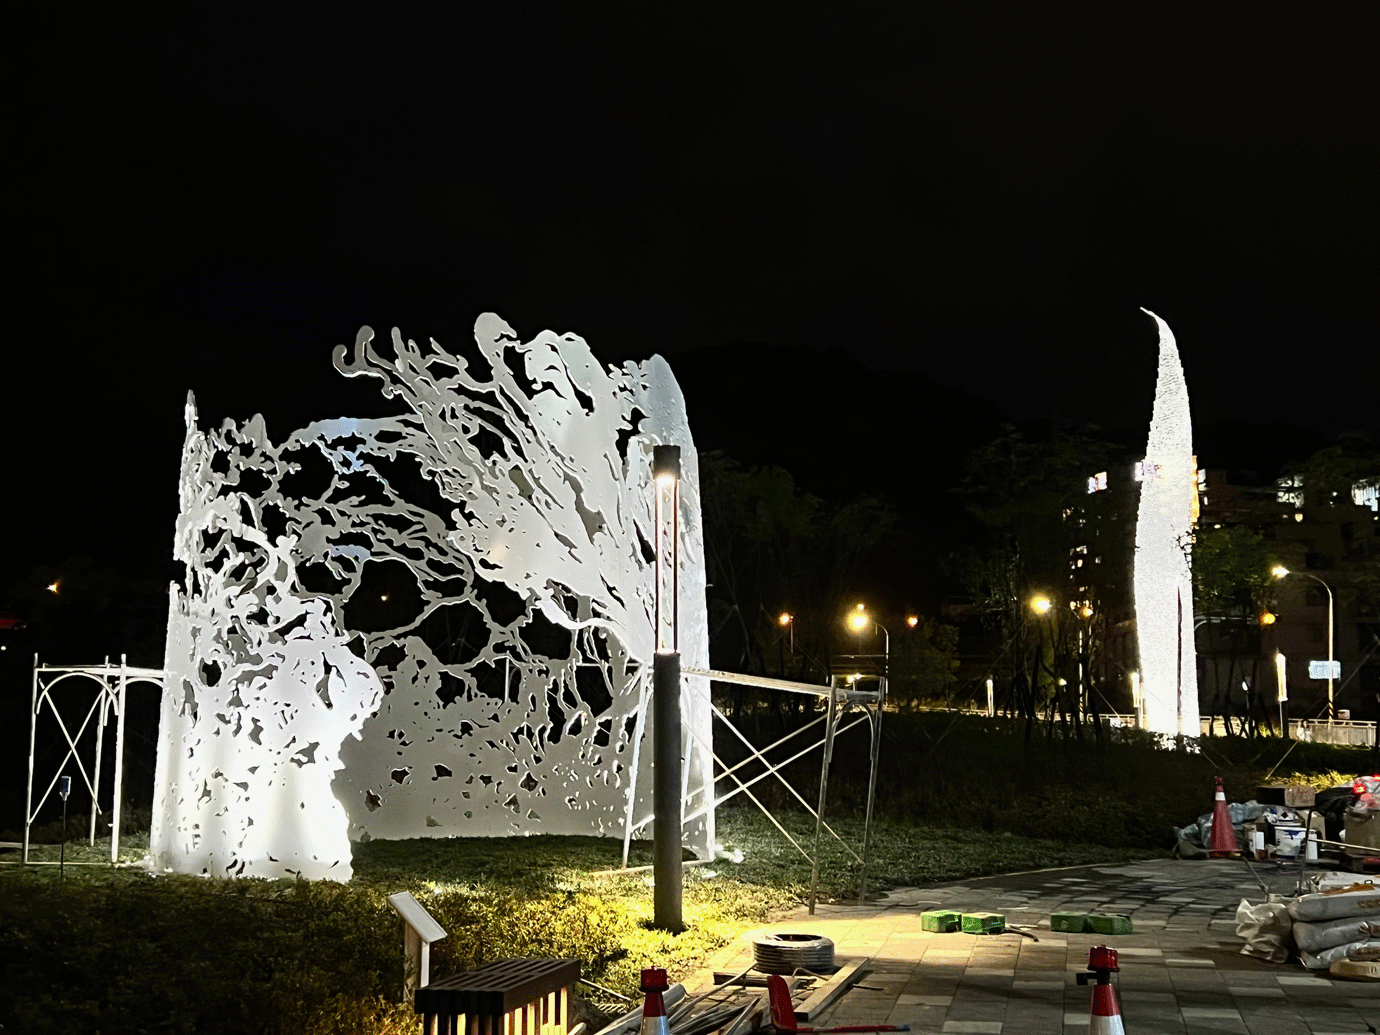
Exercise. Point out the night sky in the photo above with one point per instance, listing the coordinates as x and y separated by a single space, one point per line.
211 199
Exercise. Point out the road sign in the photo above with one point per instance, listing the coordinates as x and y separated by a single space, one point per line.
1318 670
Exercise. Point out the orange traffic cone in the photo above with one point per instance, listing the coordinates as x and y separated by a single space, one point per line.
654 1006
1105 1018
1224 844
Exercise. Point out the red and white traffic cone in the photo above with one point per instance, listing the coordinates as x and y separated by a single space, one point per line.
654 1006
1224 844
1105 1018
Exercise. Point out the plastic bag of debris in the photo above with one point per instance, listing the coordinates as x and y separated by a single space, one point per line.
1199 834
1265 929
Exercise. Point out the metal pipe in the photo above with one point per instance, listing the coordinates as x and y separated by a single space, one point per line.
872 791
666 763
829 724
120 703
29 794
104 701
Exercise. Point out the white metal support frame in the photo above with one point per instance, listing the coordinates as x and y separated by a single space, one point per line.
840 697
112 682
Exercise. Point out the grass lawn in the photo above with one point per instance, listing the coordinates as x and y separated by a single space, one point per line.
117 950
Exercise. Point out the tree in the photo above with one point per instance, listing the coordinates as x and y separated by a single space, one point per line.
769 548
1028 493
1332 474
1232 588
924 664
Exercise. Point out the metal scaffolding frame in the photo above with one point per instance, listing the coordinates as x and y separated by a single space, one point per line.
112 682
842 693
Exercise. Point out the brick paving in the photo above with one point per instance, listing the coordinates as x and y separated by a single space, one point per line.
1182 970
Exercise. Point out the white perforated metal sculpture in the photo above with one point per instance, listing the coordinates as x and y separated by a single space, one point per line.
435 623
1163 577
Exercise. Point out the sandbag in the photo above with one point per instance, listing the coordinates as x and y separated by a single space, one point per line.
1324 935
1336 904
1264 928
1366 950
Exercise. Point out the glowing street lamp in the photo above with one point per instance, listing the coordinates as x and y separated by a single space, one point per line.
859 620
912 620
1279 571
1040 604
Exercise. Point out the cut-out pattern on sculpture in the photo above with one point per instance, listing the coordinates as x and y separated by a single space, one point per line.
1163 577
433 623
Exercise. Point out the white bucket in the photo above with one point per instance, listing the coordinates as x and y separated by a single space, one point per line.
1288 841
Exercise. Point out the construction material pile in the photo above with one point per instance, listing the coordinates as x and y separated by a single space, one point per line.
1340 923
1335 928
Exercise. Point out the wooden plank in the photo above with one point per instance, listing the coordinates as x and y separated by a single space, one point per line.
850 970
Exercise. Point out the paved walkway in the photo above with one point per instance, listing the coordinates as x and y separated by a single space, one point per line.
1181 971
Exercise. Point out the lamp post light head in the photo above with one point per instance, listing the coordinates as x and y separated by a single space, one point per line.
666 463
912 620
785 618
1279 571
1267 618
859 620
1040 604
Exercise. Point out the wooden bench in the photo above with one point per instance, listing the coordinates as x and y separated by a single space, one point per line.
506 997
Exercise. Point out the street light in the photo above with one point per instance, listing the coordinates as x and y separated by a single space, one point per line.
787 621
666 720
1279 571
859 620
1040 604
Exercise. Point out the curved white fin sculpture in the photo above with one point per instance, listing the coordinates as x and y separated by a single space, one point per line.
464 589
1163 576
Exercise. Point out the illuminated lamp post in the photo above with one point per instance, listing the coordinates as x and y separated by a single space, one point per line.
859 620
787 621
1281 680
1279 571
1042 606
666 732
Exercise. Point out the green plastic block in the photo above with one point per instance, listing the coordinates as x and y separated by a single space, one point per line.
984 923
941 921
1071 923
1109 923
